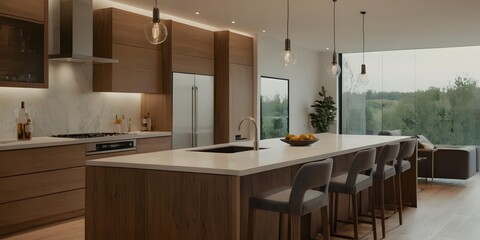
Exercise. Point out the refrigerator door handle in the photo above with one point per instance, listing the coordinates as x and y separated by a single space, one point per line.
196 116
193 117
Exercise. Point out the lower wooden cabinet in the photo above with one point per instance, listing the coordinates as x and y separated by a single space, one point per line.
32 212
39 186
145 145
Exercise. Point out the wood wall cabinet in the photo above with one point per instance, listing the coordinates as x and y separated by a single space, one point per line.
187 49
233 85
24 43
39 186
25 9
120 35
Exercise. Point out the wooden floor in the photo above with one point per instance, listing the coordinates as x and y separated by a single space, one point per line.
446 210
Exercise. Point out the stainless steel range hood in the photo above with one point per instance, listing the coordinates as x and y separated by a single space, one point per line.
76 33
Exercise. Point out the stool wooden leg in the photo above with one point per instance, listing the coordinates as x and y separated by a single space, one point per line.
399 187
251 223
394 196
295 227
325 225
331 211
280 225
355 216
382 206
372 206
336 213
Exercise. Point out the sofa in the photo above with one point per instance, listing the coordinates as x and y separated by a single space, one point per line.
451 161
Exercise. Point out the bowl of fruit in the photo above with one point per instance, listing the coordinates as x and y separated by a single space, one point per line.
301 140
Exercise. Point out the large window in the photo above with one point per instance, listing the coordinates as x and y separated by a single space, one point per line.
273 107
433 92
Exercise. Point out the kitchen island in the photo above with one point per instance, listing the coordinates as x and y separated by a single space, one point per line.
186 194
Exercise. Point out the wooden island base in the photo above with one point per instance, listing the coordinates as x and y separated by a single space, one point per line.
123 203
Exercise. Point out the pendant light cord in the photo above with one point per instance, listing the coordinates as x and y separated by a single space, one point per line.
288 17
334 26
363 33
156 3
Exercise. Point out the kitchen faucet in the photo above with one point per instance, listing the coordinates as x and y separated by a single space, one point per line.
255 142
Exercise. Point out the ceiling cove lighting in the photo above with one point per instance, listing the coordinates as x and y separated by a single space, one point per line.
155 31
288 56
363 77
334 69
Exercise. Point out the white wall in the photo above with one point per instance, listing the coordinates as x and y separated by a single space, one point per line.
68 105
306 78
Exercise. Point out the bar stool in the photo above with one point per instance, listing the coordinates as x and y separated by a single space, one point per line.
402 164
382 172
357 179
297 200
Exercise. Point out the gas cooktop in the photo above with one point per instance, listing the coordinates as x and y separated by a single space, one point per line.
87 135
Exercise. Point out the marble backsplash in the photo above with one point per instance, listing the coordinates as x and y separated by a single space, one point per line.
68 105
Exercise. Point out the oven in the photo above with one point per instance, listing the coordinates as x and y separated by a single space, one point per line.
100 146
110 147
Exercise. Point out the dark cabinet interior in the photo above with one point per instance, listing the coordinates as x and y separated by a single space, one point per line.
21 51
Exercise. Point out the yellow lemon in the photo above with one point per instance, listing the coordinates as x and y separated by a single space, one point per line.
289 136
294 138
303 137
311 136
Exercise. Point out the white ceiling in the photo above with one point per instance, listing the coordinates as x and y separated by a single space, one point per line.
390 24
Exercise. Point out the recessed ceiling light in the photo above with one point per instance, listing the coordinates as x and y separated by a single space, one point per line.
264 30
233 21
328 48
197 13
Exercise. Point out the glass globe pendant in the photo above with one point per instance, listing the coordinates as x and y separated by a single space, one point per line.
362 78
289 57
155 31
334 69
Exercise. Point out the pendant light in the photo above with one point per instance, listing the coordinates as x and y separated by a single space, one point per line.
334 69
363 77
288 56
155 31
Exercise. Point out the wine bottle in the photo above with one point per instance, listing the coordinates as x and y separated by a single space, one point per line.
21 121
144 123
149 122
28 130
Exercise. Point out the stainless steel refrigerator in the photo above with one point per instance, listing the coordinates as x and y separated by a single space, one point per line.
192 110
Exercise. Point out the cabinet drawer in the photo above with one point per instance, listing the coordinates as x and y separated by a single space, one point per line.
107 155
27 9
17 162
145 145
39 184
41 207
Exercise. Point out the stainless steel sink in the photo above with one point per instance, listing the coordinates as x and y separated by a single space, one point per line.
226 149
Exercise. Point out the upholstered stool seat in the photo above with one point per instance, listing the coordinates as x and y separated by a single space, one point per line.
278 200
308 192
357 179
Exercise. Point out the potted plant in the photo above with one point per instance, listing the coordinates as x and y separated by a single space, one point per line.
324 112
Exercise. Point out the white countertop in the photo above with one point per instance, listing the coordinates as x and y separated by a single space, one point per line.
277 155
36 142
